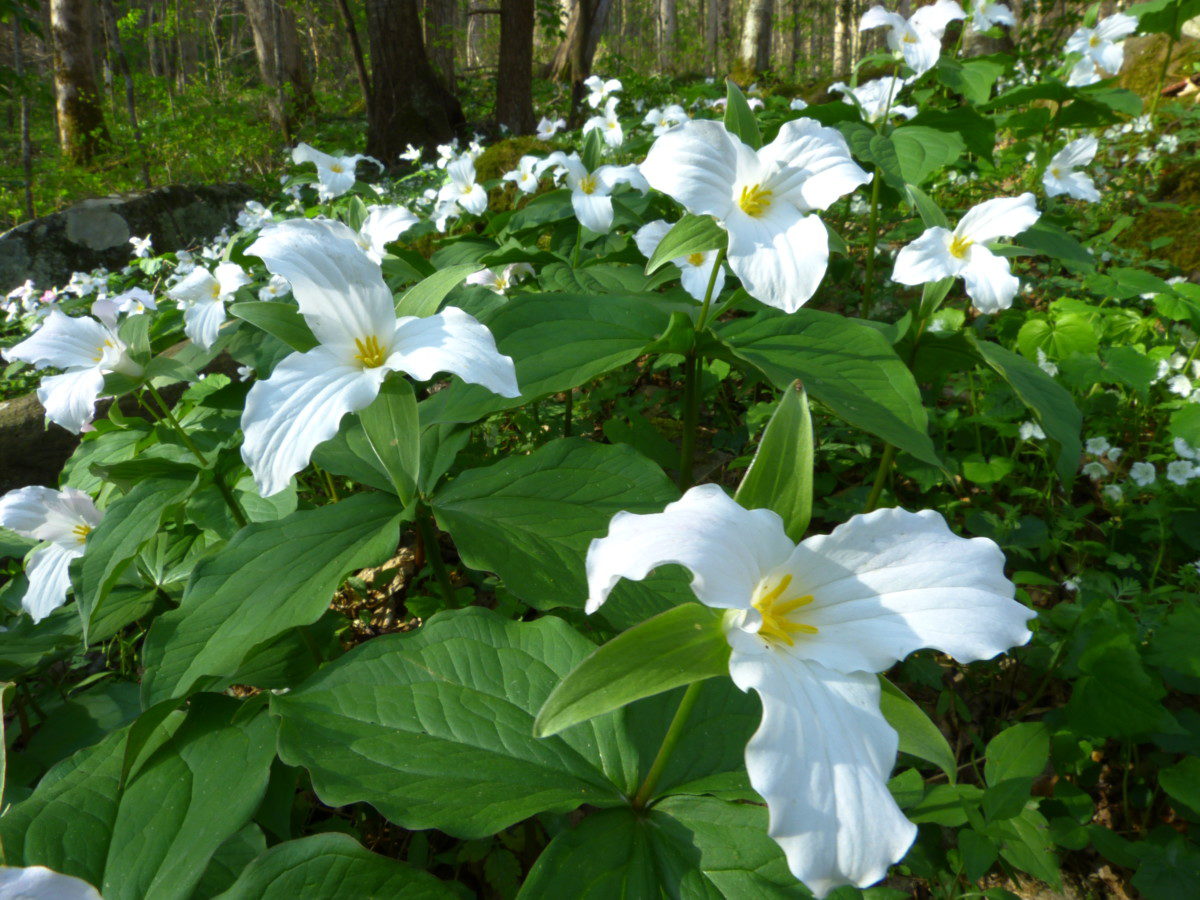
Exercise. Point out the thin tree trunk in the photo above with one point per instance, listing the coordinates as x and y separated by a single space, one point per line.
408 104
514 90
668 33
440 18
114 39
360 66
712 24
281 62
23 104
81 129
755 55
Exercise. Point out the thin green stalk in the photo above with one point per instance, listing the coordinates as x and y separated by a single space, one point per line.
691 387
702 320
578 244
674 733
1162 78
434 556
881 474
873 240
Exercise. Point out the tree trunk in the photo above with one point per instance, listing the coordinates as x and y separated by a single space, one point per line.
360 66
114 38
26 144
439 39
712 22
755 55
573 59
281 62
514 91
668 32
408 104
81 129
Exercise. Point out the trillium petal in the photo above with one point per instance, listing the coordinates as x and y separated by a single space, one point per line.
70 398
650 235
48 571
24 510
934 18
1077 153
878 17
695 278
303 153
922 54
202 321
297 408
231 276
197 285
926 259
891 582
474 199
990 283
1074 184
455 342
727 548
697 165
386 223
1084 72
1110 57
40 883
337 178
339 290
1116 27
821 759
1002 217
780 259
820 168
63 341
594 211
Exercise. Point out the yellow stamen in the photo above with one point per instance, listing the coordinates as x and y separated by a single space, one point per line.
775 606
1055 172
81 531
1094 41
910 38
215 290
370 354
755 200
959 246
337 168
100 350
587 184
695 259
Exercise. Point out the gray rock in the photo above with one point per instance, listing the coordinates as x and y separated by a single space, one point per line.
97 232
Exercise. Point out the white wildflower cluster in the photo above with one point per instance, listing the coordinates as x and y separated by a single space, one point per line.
1098 53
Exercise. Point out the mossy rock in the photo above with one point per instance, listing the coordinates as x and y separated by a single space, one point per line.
1179 185
1144 59
503 156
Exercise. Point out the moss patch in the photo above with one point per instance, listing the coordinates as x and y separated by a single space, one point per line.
1144 59
1181 186
503 156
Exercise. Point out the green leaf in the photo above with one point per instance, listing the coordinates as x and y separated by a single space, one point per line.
972 78
1164 16
394 433
530 518
1114 695
238 851
127 524
931 214
332 867
675 648
424 297
780 475
1182 782
691 234
739 117
435 728
923 152
281 320
1058 338
1050 240
1049 401
271 577
919 737
558 342
1176 642
1019 751
846 365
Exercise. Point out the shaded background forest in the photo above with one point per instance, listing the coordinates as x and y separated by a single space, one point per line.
113 95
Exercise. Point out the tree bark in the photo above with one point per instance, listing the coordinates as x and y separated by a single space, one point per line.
114 38
281 62
755 55
360 66
668 33
408 104
439 39
573 59
514 89
23 103
712 22
81 129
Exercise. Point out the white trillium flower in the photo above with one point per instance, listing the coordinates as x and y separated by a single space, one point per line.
548 128
142 246
500 282
591 192
462 189
254 216
809 627
62 520
663 120
919 38
1104 44
133 302
83 283
411 154
798 104
87 350
526 175
765 199
599 89
963 253
382 226
275 288
876 98
203 295
40 883
608 124
987 14
1060 176
342 296
335 174
696 269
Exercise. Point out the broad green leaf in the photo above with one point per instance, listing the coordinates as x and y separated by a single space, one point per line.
602 279
1176 642
112 546
530 518
739 117
1182 782
1114 695
675 648
691 234
281 320
781 473
1019 751
1058 338
558 341
923 152
238 851
435 728
392 429
972 78
332 867
919 737
931 214
1164 16
1052 405
844 364
1050 240
271 577
424 297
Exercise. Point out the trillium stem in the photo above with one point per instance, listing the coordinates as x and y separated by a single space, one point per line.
578 245
433 554
670 739
692 364
1162 78
873 239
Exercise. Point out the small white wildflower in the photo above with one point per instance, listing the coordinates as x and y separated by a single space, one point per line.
1031 431
1095 470
1045 364
1186 450
1097 446
1181 385
1071 585
1142 474
1113 492
1181 471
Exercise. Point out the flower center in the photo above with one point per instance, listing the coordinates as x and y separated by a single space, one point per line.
108 344
695 259
959 246
587 184
370 354
81 531
910 38
337 169
1055 172
1094 41
755 200
776 605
